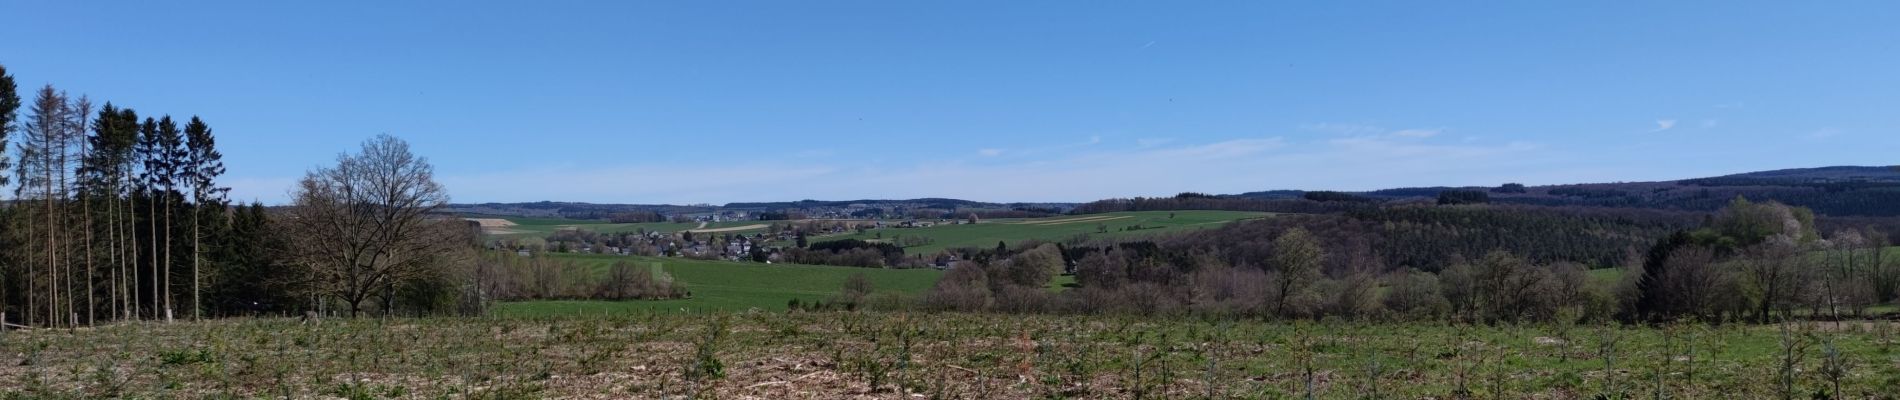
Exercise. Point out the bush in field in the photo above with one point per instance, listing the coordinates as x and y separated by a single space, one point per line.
1101 270
1030 268
508 277
626 281
1354 296
1224 290
965 287
853 294
1295 267
1415 294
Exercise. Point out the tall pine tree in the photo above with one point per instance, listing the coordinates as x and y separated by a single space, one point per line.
127 139
102 178
203 164
171 160
9 112
39 173
147 151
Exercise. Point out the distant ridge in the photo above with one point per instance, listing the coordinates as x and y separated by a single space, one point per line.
1833 190
582 210
1830 190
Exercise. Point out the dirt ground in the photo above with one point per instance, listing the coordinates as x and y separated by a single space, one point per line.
495 226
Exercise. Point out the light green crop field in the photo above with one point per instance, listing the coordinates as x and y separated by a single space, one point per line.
728 286
987 233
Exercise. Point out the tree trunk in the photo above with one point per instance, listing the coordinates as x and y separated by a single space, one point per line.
196 216
32 282
131 259
118 258
112 251
152 211
86 209
168 256
52 247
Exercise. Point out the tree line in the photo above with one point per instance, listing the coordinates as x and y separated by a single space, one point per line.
507 277
1749 262
1192 202
118 216
113 216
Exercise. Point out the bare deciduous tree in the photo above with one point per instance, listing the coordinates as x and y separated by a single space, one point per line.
1297 260
365 225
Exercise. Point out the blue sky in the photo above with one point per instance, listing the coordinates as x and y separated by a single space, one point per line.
685 102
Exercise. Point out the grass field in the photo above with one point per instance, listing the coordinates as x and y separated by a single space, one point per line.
905 356
988 233
728 286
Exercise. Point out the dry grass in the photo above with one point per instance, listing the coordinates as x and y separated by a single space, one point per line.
890 356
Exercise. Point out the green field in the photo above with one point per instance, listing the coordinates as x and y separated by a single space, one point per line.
988 233
728 286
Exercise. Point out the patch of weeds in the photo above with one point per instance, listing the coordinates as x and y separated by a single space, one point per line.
184 357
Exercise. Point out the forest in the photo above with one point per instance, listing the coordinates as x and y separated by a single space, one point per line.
118 216
114 216
1750 261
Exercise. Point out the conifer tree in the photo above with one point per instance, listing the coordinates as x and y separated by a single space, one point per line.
102 177
148 183
203 165
9 112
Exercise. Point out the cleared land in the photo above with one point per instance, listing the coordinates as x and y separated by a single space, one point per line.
987 233
727 286
905 356
495 226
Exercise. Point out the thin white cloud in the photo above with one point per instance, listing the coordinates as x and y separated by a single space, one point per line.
1823 133
1369 130
1035 151
1664 124
1152 142
1231 148
1709 123
1229 166
640 184
1151 43
1344 128
1417 133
